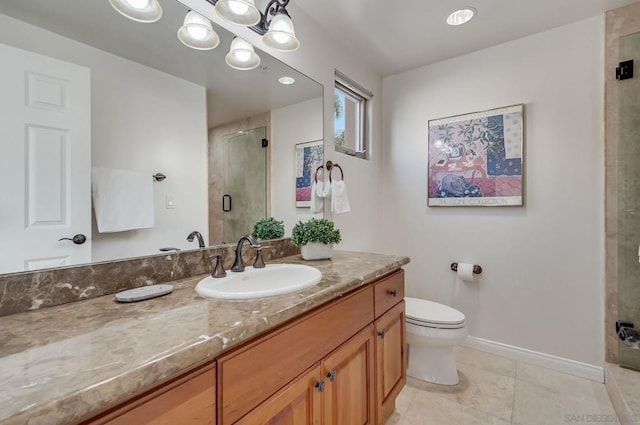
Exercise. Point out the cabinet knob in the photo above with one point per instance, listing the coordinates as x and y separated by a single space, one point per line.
320 386
331 375
381 334
393 293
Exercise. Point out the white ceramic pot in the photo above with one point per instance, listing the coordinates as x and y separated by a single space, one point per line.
316 251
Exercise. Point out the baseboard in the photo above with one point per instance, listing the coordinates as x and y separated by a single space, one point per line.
561 364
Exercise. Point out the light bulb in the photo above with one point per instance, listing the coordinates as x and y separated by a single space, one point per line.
138 4
242 55
238 8
281 38
197 33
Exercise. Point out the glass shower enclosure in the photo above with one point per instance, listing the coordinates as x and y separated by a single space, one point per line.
629 205
245 182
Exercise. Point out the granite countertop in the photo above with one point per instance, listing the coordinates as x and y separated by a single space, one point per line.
59 365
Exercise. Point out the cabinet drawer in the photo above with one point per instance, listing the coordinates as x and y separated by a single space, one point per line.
249 375
389 292
190 399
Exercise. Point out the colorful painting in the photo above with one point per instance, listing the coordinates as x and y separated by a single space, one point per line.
476 159
309 156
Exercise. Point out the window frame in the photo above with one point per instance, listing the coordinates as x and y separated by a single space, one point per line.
362 96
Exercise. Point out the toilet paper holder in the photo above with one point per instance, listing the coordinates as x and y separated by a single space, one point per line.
476 268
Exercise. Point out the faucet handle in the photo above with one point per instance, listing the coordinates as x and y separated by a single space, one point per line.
218 270
259 262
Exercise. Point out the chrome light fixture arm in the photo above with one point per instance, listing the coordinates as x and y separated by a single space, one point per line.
271 10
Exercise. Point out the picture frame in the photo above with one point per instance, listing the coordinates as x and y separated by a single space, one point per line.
476 159
309 156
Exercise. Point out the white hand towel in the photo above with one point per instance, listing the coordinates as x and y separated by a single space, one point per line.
326 192
122 199
339 197
317 198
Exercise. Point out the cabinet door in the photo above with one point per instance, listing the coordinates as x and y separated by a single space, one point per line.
348 374
298 403
390 360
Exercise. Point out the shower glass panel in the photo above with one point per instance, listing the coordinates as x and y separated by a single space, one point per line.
245 199
629 201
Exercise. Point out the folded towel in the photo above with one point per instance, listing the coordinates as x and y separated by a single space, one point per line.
339 197
122 199
317 197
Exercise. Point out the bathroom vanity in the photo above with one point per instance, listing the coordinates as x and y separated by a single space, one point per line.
330 354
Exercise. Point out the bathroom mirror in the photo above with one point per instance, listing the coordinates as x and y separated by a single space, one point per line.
93 89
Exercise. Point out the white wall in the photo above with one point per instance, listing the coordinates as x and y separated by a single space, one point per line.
542 284
149 121
142 120
293 124
318 57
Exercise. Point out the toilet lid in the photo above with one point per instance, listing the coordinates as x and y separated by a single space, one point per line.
430 312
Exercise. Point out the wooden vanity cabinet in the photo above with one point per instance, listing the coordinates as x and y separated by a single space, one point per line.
357 346
341 364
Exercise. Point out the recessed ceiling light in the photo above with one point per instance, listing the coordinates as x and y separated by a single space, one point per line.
461 16
286 80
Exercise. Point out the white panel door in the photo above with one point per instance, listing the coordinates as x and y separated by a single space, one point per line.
45 161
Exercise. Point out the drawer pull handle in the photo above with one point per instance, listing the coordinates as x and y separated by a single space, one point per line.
393 293
381 334
331 375
320 386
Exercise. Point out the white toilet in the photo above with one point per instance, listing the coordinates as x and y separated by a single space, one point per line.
432 331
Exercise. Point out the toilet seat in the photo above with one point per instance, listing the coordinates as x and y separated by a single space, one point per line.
430 314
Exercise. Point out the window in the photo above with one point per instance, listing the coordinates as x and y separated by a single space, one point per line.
351 111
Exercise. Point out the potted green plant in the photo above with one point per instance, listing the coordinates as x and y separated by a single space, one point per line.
268 228
315 238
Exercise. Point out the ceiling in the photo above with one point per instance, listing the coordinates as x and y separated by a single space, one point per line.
400 35
231 94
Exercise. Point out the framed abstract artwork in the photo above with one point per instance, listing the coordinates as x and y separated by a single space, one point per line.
476 159
309 156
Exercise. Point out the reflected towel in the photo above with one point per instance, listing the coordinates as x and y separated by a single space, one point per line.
317 196
122 199
339 198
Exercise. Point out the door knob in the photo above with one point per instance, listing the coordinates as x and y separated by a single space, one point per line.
381 334
78 239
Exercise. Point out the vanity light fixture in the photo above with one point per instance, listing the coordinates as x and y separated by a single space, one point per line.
146 11
461 16
241 55
286 80
275 24
197 32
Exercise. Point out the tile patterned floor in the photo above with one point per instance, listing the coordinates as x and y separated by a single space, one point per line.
494 390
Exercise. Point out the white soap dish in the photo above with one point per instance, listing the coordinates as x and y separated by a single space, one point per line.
143 293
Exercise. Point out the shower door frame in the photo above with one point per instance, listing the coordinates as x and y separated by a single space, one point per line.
619 23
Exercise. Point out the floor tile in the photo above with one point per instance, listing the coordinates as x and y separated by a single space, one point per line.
543 396
494 390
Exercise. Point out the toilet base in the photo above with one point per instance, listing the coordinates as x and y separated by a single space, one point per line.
433 364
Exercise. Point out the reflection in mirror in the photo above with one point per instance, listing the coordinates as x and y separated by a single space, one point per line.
89 90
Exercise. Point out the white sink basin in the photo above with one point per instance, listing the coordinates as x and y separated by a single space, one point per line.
274 279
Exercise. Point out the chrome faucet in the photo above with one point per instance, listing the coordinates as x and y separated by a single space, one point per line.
238 264
195 234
